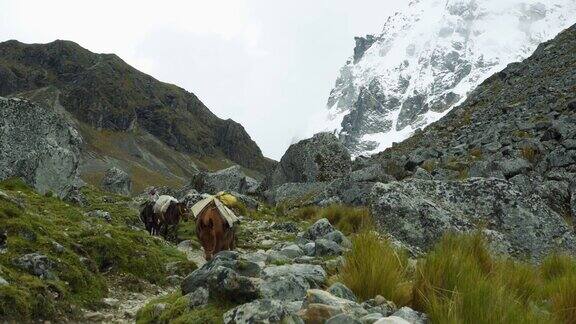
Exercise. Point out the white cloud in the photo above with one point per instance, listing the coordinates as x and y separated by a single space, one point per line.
266 64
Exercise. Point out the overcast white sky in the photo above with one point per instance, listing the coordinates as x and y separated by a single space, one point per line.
266 64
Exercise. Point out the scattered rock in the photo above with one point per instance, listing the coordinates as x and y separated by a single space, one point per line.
411 316
3 282
111 302
318 229
371 318
36 264
117 181
343 319
287 288
100 214
325 247
198 297
340 290
259 311
314 274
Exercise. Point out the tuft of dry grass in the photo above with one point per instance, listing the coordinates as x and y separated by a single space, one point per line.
346 218
373 267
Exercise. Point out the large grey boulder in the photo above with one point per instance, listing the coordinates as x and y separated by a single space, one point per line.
38 145
418 212
319 158
117 181
227 277
229 179
319 229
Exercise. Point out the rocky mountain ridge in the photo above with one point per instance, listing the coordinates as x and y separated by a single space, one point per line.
109 100
427 59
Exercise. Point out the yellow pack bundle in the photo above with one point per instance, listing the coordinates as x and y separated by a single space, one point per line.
227 199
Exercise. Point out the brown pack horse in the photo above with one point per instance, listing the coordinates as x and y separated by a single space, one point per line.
213 232
168 221
165 223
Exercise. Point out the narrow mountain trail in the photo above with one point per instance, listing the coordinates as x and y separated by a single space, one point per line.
125 298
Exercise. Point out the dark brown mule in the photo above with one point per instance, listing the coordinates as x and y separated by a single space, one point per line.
170 219
213 232
150 220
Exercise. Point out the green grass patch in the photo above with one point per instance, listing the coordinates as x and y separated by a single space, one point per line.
81 249
176 310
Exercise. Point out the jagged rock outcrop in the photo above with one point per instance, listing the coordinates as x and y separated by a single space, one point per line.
417 69
418 212
104 92
39 146
117 181
319 158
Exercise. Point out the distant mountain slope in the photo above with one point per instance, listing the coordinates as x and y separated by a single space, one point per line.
107 96
426 60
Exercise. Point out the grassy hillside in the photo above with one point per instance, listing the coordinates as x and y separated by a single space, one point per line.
83 251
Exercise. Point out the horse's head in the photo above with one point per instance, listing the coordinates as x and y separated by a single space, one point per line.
183 210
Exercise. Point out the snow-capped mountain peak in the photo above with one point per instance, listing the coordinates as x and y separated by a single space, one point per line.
427 58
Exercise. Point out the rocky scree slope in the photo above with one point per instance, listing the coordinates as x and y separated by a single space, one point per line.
517 130
426 60
104 93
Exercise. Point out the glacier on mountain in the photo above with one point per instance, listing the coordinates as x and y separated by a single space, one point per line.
425 61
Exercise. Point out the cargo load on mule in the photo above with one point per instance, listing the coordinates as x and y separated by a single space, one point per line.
215 223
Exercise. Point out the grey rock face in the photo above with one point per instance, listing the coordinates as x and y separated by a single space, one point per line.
260 311
317 159
39 146
418 213
36 264
117 181
231 179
